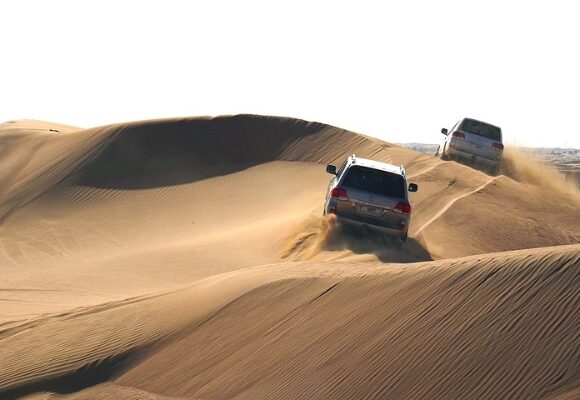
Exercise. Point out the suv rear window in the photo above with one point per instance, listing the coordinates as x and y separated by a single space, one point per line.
375 181
481 129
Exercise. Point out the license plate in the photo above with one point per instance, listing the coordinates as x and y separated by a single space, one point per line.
370 209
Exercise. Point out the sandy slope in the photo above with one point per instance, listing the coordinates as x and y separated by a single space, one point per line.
203 238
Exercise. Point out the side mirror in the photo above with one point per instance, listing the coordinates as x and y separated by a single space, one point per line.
444 131
331 169
413 187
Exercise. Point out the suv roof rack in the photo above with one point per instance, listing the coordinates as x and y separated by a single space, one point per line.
353 157
403 170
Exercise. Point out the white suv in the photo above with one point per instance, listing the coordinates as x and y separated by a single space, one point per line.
370 193
474 141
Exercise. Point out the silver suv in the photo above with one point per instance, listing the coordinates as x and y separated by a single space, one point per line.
370 193
475 141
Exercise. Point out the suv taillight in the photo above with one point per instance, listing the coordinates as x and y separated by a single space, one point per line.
403 207
338 193
497 146
458 134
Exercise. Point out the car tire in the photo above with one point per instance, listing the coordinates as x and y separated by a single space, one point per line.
444 156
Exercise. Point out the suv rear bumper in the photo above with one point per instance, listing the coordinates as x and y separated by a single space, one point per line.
454 152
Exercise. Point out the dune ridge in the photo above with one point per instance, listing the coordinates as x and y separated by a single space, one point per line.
189 257
454 329
449 318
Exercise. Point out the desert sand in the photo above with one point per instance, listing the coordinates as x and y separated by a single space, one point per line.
188 258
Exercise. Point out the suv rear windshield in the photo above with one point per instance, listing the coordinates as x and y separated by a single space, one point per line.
481 129
375 181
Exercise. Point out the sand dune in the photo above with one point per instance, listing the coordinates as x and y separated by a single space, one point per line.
451 329
189 258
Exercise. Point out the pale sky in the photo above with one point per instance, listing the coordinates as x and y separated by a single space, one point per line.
397 70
